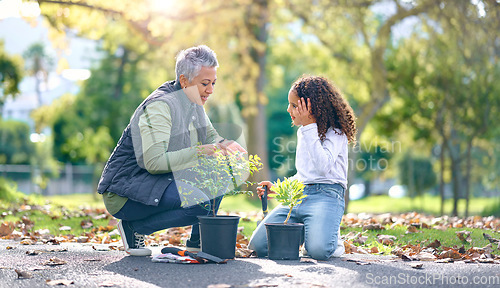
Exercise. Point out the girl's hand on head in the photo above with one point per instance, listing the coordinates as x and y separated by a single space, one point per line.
260 189
304 112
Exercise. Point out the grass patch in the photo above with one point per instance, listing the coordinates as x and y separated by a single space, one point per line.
71 210
427 204
55 220
424 237
35 212
75 201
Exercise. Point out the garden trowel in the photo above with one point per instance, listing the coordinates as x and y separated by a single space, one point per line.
202 257
263 200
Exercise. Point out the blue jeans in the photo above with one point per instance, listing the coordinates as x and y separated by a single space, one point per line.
146 219
320 212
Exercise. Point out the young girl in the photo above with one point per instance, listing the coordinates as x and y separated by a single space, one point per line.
327 125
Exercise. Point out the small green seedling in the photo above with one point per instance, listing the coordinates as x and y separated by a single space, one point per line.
214 174
289 193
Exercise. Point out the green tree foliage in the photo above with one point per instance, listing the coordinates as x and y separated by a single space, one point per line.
8 191
414 89
87 126
15 144
10 75
448 91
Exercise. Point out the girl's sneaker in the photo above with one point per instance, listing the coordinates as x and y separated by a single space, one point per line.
133 242
340 249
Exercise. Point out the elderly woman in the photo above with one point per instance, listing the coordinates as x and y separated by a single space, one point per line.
166 133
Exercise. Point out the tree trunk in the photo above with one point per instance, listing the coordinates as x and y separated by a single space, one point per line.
441 177
367 187
120 77
456 178
257 24
467 176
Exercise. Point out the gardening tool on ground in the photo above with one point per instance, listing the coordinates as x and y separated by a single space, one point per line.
202 257
263 200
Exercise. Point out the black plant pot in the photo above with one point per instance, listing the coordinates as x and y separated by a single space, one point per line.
218 235
283 240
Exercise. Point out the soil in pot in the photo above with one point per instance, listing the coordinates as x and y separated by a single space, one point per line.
218 235
284 240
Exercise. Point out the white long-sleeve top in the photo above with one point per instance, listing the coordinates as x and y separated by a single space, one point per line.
319 161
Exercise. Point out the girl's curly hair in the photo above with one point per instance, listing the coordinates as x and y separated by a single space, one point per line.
328 106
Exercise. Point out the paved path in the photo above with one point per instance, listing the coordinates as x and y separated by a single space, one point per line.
87 267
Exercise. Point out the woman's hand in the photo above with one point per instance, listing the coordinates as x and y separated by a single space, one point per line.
208 149
232 146
260 189
304 112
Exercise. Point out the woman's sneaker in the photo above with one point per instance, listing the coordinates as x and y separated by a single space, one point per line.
133 242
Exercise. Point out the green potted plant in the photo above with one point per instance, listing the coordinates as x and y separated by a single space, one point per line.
218 176
284 239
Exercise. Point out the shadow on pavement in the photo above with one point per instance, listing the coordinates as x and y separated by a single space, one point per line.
235 272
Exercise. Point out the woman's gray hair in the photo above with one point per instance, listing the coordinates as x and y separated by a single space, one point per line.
190 61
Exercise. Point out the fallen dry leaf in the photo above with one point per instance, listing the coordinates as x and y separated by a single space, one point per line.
56 250
109 284
435 244
386 239
376 226
444 260
491 239
412 229
453 254
425 256
101 247
86 224
358 262
417 265
464 236
407 257
23 274
33 252
59 282
243 253
54 262
37 268
28 242
486 260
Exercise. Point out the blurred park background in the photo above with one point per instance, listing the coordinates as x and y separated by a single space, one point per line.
422 77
